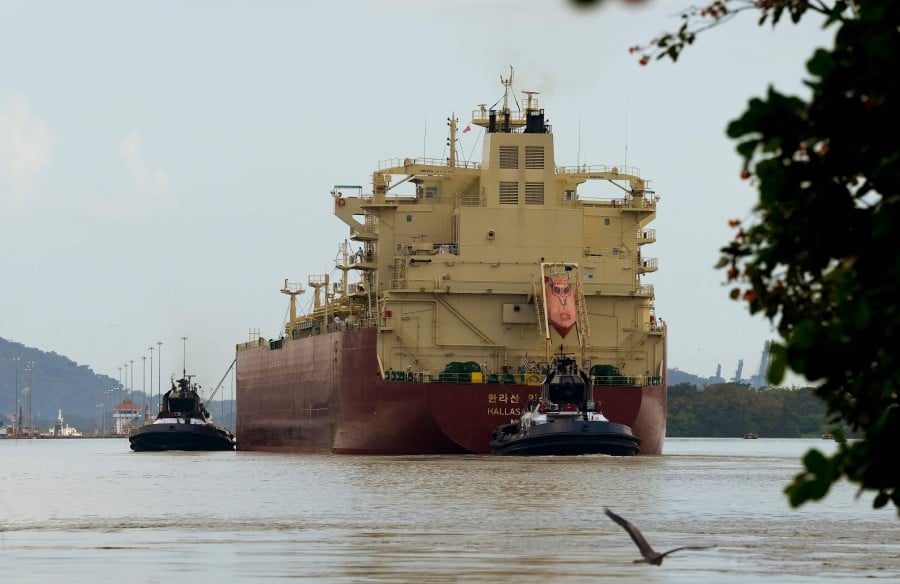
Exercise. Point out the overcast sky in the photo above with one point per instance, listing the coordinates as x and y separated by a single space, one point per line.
164 166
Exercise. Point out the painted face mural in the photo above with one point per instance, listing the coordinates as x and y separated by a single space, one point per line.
560 305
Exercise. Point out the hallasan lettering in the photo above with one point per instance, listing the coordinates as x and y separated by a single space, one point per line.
504 411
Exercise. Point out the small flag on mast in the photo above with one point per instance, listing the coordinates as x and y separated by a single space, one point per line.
466 129
526 362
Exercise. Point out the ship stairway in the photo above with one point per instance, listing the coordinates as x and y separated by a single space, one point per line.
465 197
583 324
462 318
635 339
418 360
366 231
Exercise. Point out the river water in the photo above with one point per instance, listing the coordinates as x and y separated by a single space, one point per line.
86 510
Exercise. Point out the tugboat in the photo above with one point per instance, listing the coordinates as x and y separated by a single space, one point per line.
564 421
182 424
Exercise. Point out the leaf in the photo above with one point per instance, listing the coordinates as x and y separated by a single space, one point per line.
815 462
777 366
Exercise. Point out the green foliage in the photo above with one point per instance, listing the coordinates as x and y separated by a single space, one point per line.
731 410
820 256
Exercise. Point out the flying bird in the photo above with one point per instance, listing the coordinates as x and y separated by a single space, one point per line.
651 556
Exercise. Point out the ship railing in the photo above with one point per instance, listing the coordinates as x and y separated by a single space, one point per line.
252 344
625 289
645 202
628 202
483 116
645 235
626 380
650 264
428 249
598 168
346 325
511 378
423 161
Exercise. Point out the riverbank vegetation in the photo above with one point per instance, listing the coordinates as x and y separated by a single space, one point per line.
734 409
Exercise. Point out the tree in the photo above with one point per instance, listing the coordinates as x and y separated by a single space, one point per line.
819 256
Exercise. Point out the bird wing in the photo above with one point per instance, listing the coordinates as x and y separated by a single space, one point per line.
687 547
635 534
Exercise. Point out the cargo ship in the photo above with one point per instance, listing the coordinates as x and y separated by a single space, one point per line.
458 282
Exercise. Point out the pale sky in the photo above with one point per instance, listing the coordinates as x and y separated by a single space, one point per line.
164 166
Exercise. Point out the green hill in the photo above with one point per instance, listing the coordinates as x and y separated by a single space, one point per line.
56 383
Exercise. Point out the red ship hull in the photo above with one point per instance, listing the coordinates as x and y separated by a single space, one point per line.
325 394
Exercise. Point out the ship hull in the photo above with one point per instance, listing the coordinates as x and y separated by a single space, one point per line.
187 437
572 437
326 394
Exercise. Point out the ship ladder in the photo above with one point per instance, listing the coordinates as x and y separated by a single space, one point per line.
583 324
421 362
398 279
630 345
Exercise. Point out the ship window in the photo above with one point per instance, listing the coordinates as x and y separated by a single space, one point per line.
409 218
509 157
534 193
534 157
431 192
509 193
606 221
570 195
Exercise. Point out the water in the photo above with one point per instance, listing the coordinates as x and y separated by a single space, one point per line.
90 510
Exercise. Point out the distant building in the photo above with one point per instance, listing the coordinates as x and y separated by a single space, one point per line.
126 415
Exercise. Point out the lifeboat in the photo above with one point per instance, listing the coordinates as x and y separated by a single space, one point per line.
560 305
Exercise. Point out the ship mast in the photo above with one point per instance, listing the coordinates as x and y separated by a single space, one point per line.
319 282
507 83
343 264
451 142
293 290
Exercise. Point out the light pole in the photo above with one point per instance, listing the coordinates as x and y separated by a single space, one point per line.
101 410
16 411
151 373
131 394
144 383
109 393
26 393
120 378
184 355
29 370
159 371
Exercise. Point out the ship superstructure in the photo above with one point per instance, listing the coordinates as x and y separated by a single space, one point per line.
456 265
